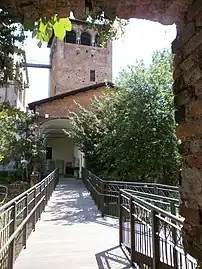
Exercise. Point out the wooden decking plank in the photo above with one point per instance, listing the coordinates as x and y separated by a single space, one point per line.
72 234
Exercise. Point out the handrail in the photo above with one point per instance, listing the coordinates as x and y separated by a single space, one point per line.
3 207
145 184
114 186
149 195
153 235
149 224
13 236
105 193
150 206
19 216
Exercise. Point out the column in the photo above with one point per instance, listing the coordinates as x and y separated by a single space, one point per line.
80 165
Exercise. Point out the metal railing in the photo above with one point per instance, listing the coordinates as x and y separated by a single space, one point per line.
3 194
150 227
19 216
153 236
106 193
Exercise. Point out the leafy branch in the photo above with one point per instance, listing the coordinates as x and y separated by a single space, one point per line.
45 27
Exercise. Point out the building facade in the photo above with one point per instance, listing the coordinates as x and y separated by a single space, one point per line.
54 111
80 70
78 61
15 96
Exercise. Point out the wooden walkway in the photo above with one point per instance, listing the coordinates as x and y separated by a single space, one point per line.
72 234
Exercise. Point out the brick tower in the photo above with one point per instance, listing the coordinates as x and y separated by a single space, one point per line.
78 61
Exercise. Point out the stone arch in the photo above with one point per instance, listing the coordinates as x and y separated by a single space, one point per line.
52 124
187 87
61 152
86 38
70 37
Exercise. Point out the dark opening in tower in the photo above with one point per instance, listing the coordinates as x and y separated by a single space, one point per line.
85 39
70 37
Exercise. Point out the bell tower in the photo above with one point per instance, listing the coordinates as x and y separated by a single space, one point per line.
78 61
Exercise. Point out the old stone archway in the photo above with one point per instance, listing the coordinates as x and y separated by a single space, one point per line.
187 48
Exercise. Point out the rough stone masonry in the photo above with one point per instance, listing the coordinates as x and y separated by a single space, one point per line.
188 100
187 47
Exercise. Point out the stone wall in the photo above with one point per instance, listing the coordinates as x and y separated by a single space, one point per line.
188 100
62 106
165 11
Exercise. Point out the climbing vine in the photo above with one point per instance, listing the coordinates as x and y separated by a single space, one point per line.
108 29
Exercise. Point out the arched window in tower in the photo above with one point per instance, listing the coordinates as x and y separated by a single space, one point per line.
85 39
70 37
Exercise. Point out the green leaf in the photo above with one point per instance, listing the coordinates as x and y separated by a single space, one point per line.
49 32
60 27
59 31
46 37
67 23
39 44
42 27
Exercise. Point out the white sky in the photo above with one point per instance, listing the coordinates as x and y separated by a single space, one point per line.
140 40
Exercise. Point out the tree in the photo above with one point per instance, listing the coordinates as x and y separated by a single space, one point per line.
130 134
20 139
11 41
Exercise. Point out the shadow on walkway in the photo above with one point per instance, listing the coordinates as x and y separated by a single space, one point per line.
112 258
71 203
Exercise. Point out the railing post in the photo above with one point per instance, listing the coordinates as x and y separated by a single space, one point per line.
53 182
174 236
46 192
48 189
34 215
102 200
155 240
42 204
120 220
25 227
57 178
11 250
132 232
43 193
155 190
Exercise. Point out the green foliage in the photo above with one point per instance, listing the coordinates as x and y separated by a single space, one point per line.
44 28
130 134
11 39
9 177
20 139
108 29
